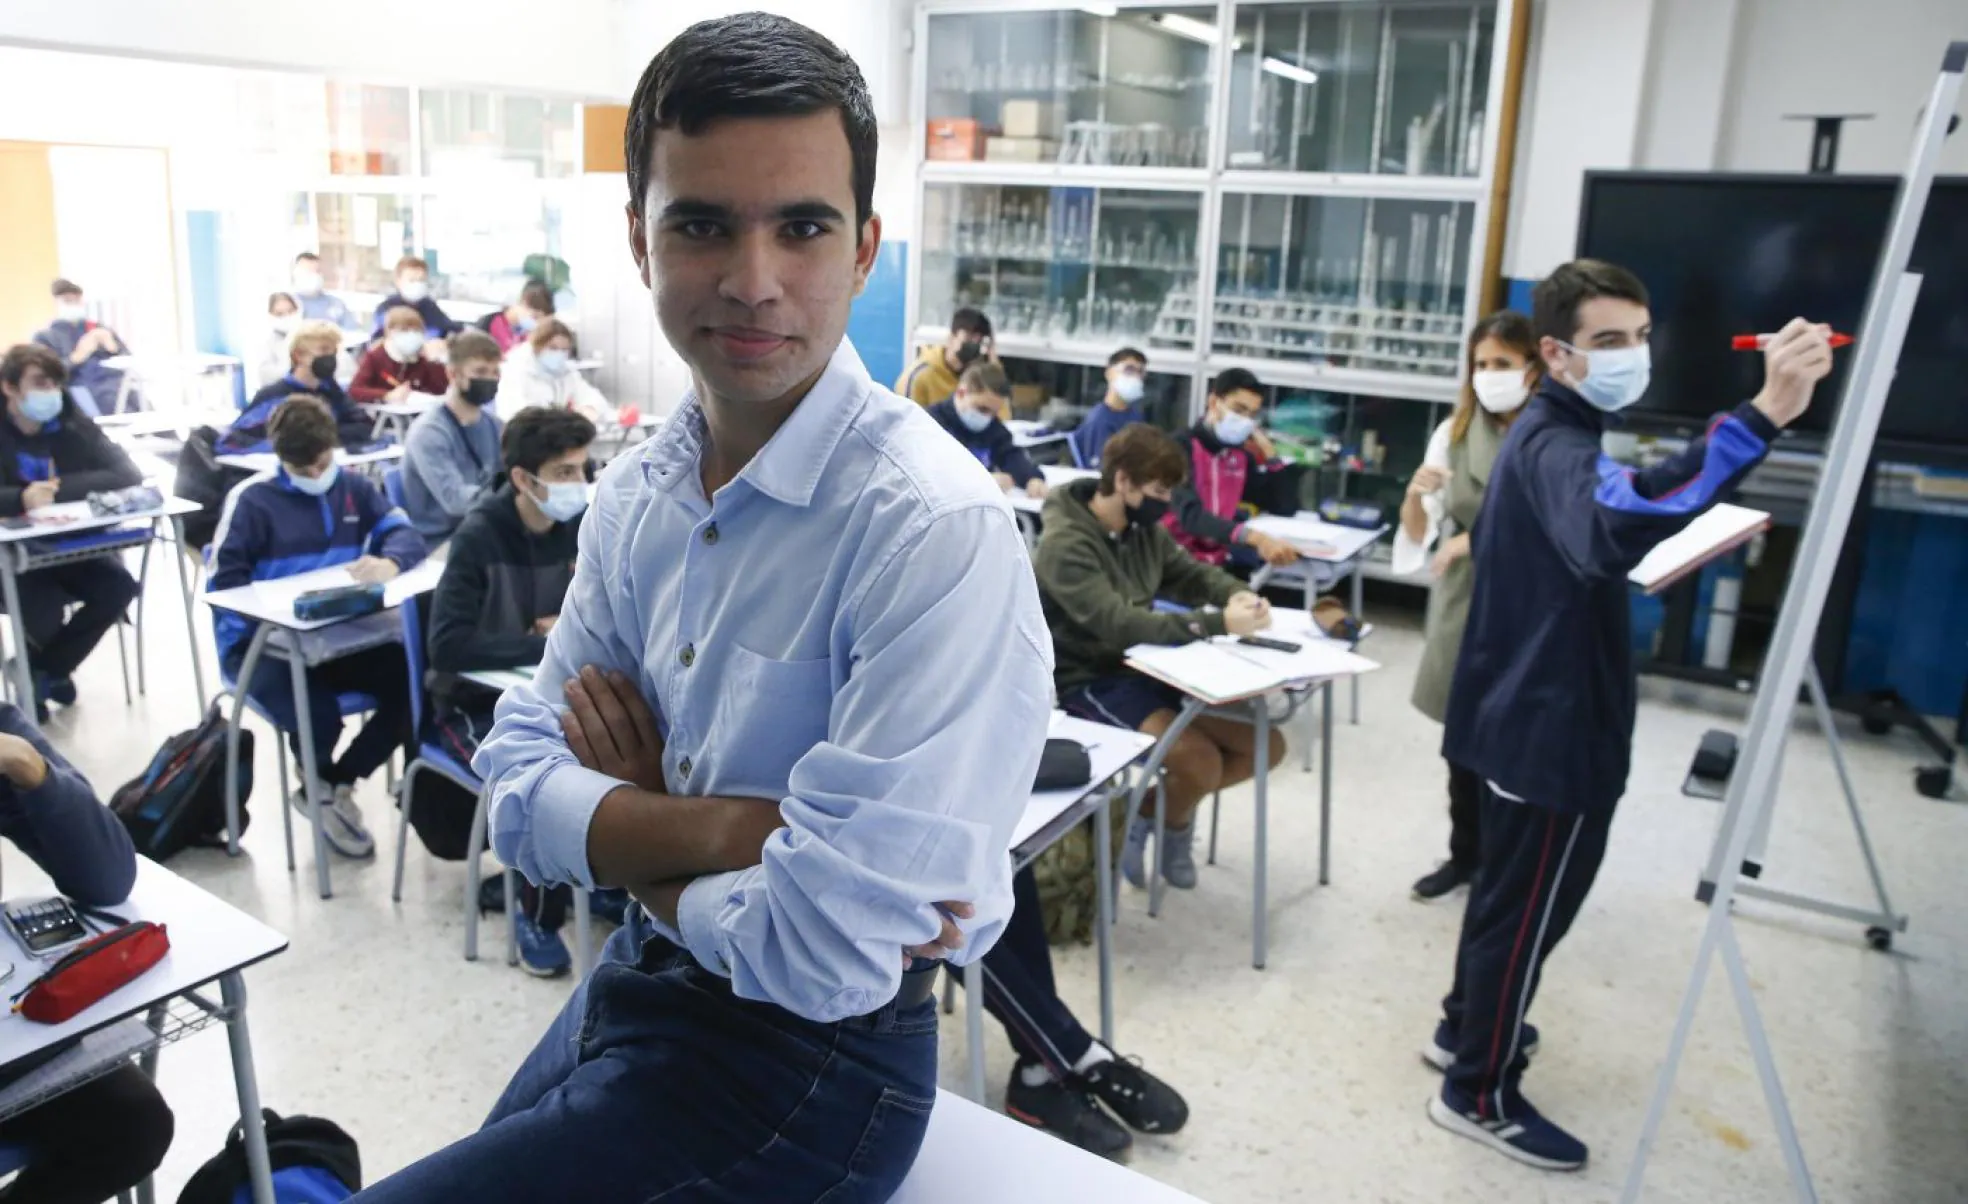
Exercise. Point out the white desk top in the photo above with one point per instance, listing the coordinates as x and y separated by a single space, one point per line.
500 679
1110 749
972 1155
415 406
73 518
1222 670
1056 476
267 461
273 601
192 363
209 937
1315 538
1026 433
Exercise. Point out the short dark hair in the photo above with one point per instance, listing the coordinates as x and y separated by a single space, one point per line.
970 321
22 356
541 433
986 378
63 287
1556 299
302 428
1235 380
750 65
410 263
468 345
536 296
1129 353
1147 454
307 255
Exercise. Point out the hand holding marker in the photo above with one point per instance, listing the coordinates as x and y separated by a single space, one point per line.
1757 342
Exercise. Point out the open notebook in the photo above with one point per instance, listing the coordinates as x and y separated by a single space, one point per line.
1222 670
1719 530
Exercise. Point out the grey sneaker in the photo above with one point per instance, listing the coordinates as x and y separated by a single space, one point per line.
341 823
1179 857
1134 853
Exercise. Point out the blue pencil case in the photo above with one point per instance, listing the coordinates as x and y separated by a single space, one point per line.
341 602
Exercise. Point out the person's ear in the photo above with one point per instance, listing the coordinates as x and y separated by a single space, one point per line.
638 249
866 250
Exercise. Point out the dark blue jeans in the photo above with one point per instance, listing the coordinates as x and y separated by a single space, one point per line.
656 1083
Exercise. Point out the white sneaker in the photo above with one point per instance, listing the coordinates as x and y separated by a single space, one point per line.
341 820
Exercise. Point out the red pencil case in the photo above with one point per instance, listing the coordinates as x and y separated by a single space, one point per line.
92 970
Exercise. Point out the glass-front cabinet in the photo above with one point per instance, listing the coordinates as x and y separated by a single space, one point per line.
1097 86
1378 89
1064 266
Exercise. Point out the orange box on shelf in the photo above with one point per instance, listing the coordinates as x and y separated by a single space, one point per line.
957 138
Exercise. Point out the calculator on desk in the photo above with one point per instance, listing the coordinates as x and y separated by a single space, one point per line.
44 926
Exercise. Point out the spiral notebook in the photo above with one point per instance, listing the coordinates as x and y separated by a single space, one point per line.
1717 531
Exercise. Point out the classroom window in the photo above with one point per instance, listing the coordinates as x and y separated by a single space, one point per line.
359 236
495 137
368 130
478 243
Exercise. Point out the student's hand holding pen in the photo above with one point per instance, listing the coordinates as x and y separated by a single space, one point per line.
39 493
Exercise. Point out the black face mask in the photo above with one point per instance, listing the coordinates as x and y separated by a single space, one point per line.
480 392
967 353
1151 511
323 367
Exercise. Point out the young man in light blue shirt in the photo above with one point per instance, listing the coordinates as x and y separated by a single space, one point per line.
794 701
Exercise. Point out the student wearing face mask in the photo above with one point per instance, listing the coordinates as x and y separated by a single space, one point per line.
317 305
511 326
1127 380
313 353
51 452
505 578
971 417
283 319
396 366
1440 508
451 454
413 290
541 372
1102 563
1234 471
83 345
308 514
933 377
1542 703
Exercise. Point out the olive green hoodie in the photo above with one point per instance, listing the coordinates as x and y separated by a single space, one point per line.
1099 589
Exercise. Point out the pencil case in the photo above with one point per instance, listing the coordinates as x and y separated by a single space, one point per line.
340 602
92 970
1364 516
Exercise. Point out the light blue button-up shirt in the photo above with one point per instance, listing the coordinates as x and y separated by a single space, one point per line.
851 626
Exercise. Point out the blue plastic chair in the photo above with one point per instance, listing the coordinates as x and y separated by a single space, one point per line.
393 485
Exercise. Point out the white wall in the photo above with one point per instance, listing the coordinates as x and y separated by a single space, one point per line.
1690 77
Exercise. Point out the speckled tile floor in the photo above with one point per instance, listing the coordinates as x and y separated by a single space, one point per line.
1303 1078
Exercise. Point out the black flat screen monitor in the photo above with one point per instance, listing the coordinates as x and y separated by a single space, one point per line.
1726 254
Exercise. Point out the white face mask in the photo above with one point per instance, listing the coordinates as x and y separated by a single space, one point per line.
307 282
315 486
285 324
1500 391
1128 387
1615 377
413 291
70 311
975 420
565 500
405 344
1233 430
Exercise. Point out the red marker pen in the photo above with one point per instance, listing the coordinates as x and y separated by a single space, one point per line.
1756 342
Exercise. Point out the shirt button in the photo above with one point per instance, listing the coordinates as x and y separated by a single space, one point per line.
688 656
683 767
711 534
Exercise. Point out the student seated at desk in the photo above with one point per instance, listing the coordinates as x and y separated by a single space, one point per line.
1102 562
933 377
395 367
83 346
1232 465
971 417
413 292
316 305
510 326
108 1135
312 354
540 372
504 579
451 454
1127 379
309 514
51 452
283 319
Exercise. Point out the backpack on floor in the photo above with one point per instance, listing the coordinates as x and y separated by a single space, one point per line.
179 799
441 811
314 1162
1066 878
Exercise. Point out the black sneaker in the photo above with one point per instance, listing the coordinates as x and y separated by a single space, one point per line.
1067 1111
492 895
1145 1103
1443 879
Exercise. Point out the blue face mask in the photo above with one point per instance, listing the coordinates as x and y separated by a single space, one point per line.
565 500
315 486
42 405
1615 377
975 421
553 362
1233 429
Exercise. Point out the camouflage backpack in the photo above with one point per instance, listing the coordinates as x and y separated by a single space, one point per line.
1066 878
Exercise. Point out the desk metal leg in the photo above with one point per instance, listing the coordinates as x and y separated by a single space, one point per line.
254 648
974 1026
474 872
311 775
191 610
23 672
1325 777
1103 932
1260 786
1359 605
232 989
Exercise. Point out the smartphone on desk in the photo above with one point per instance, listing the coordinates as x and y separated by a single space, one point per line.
44 927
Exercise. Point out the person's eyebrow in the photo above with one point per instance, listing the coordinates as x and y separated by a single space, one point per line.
686 210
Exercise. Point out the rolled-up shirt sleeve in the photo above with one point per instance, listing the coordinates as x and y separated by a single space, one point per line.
933 741
543 798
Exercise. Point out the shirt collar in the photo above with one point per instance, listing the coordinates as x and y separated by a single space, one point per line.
788 468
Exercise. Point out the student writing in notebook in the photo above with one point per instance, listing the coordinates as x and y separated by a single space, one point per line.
1542 703
1103 562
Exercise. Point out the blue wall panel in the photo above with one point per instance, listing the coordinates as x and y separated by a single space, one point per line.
878 327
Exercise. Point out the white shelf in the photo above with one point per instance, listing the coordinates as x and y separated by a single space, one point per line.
1063 175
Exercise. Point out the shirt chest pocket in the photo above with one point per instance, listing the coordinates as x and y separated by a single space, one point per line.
769 713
